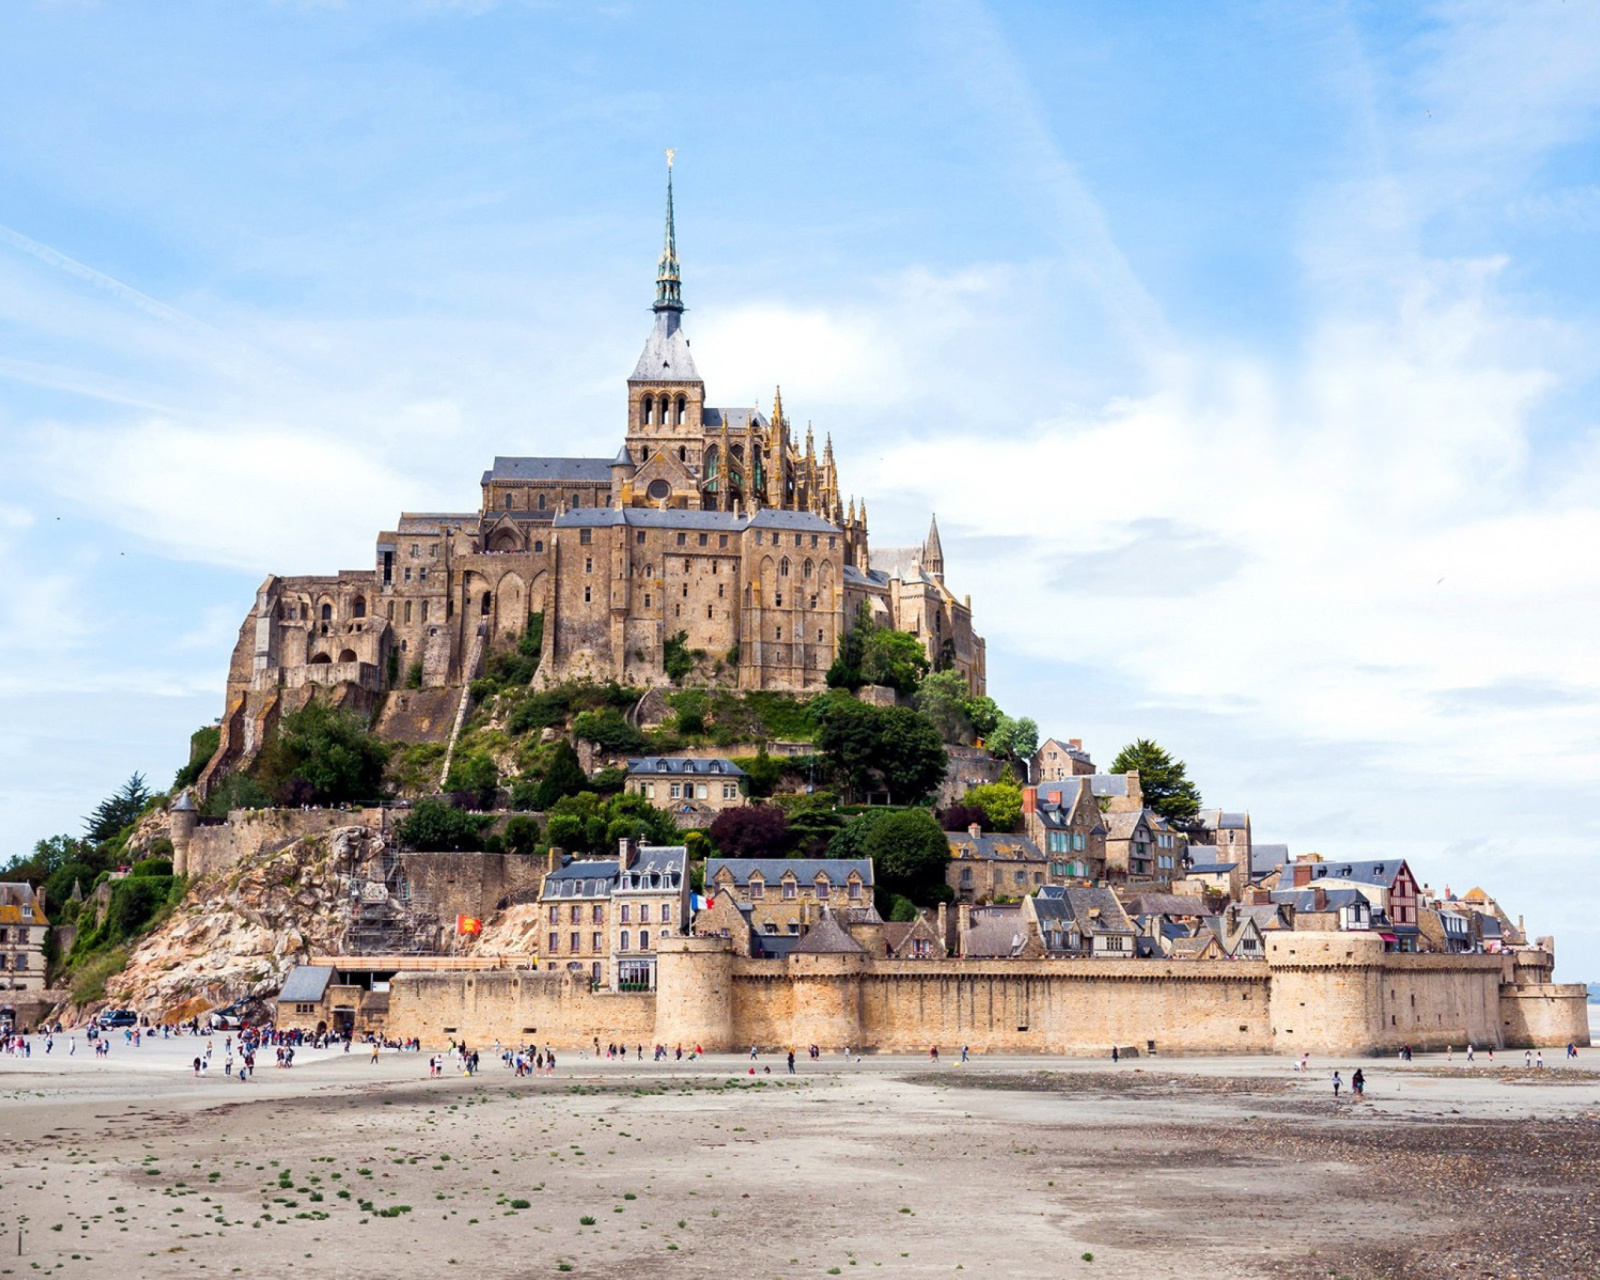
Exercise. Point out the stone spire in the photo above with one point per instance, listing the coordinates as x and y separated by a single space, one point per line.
932 552
669 284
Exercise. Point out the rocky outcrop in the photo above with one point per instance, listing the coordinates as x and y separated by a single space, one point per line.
237 935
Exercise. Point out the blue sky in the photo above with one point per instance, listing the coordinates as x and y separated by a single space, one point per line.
1247 353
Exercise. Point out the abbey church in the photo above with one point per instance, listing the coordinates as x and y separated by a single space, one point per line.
714 530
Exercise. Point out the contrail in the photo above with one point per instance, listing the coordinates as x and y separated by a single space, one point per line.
55 258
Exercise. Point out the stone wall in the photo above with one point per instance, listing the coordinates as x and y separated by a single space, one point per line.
517 1006
219 847
1321 993
472 884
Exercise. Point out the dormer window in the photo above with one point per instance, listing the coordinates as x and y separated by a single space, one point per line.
790 889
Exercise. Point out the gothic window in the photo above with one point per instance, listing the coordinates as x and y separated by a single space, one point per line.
783 567
358 607
806 569
327 612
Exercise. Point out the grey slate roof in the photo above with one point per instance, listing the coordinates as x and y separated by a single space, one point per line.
1094 910
991 847
1166 904
686 765
1379 873
997 931
1264 857
826 938
736 420
1211 868
665 861
1100 784
581 878
665 357
306 984
580 470
1222 820
806 870
1304 899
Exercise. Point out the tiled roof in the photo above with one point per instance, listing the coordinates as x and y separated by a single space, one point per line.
696 765
563 470
991 847
805 870
306 984
1378 873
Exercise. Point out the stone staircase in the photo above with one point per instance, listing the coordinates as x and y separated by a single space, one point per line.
469 672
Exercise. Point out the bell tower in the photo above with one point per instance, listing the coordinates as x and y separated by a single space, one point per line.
666 399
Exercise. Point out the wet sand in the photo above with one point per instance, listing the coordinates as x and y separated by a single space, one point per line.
1004 1167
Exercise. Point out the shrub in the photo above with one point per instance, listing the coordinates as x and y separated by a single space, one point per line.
235 791
324 755
691 706
762 773
433 826
475 774
677 659
539 710
414 766
203 744
608 730
414 675
89 983
754 831
152 867
1001 803
609 781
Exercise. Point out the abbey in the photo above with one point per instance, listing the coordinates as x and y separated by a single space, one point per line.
710 530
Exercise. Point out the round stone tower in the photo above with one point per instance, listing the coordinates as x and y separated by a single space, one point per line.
185 817
694 993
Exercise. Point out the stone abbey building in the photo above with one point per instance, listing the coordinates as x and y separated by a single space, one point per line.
714 528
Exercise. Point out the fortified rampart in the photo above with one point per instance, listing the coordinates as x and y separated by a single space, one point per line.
1313 993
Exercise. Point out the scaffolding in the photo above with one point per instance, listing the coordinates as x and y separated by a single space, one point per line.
384 914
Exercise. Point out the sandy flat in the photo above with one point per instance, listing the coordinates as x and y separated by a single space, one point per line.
893 1166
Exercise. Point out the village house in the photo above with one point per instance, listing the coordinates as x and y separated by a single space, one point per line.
992 867
1141 848
917 940
1113 792
1388 886
693 790
997 932
1227 833
1219 878
785 895
1065 822
1080 920
1056 761
23 928
1319 909
601 915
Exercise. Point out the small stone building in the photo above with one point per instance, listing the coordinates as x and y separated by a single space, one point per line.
786 895
693 789
992 867
23 928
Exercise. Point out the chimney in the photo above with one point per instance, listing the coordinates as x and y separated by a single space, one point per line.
1319 899
1075 743
627 853
1030 799
553 863
963 921
944 926
974 830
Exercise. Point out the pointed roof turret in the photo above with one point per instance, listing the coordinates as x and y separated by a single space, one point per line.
623 458
669 282
932 551
666 355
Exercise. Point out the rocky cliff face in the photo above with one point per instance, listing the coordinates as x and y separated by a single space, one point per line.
239 934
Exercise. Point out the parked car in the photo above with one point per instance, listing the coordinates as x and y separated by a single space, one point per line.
226 1019
119 1018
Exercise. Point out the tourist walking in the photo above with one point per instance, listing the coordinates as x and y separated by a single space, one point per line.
1337 1085
1115 1055
1469 1052
1358 1083
791 1061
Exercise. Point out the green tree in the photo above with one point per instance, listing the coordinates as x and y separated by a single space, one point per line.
1013 739
909 857
1164 781
564 777
894 658
234 791
942 697
117 810
433 826
762 773
324 755
521 834
983 715
751 831
845 673
850 841
895 749
1001 803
